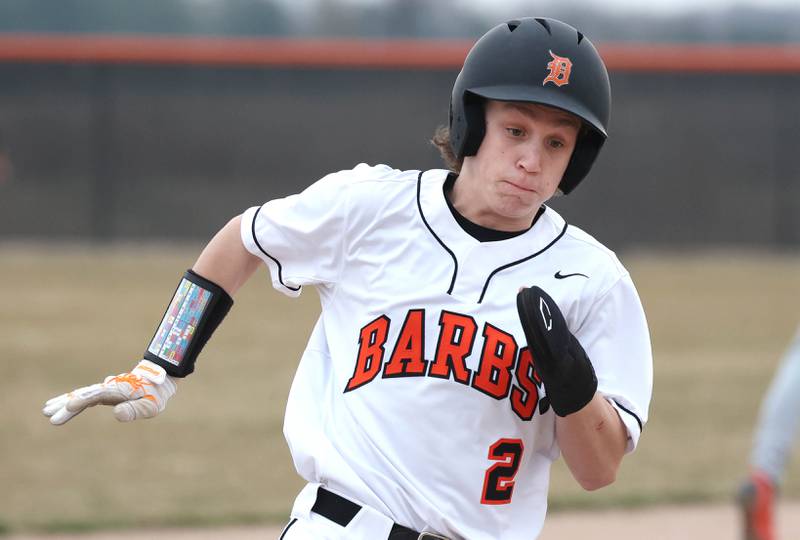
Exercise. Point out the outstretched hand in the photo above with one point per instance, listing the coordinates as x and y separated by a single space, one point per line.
142 393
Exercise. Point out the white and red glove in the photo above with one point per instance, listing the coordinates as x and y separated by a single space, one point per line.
142 393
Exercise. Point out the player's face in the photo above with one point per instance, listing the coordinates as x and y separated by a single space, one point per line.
520 163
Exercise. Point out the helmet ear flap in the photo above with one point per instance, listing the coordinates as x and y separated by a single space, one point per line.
586 151
476 124
467 125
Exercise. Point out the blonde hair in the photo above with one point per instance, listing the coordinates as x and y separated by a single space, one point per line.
441 140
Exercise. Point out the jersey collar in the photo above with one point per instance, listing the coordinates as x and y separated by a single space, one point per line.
476 262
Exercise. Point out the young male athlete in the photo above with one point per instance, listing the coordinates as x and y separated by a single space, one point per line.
468 335
773 439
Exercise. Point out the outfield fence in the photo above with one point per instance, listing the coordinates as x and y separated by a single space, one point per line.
141 138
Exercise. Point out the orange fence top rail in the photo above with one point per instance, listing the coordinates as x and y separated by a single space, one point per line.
365 53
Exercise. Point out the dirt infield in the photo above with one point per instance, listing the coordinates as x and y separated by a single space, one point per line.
718 522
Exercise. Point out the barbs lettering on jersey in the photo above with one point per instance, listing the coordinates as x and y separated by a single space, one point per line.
505 370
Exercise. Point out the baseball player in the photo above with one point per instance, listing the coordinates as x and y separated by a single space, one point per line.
468 335
774 436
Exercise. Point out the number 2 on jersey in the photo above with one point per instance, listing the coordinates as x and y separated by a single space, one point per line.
498 484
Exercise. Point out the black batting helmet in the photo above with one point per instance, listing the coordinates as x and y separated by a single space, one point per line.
534 60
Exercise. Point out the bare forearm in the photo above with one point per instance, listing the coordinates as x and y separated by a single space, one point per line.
593 442
225 261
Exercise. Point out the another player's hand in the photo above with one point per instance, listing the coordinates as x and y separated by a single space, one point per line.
560 360
142 393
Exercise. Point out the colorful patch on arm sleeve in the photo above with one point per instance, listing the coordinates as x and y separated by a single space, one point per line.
180 323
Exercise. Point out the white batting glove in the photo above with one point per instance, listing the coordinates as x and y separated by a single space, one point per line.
142 393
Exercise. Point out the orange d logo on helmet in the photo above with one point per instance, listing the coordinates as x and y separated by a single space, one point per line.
560 68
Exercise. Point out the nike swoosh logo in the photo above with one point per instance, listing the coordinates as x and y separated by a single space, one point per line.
559 275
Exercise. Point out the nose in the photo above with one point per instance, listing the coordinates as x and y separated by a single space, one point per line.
530 159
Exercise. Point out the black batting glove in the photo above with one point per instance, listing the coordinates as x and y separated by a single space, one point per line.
558 357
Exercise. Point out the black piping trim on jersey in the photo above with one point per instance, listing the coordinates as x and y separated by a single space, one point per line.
280 268
425 221
529 257
638 421
289 526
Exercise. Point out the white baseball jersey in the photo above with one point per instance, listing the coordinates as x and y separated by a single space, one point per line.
416 394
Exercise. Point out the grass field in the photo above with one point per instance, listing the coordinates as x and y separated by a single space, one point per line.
71 315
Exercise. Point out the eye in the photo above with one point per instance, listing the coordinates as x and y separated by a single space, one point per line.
556 143
515 132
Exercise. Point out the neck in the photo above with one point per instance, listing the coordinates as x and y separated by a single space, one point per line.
462 197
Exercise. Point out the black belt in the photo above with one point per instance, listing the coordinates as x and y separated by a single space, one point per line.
342 511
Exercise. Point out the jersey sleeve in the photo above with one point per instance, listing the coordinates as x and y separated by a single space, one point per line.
300 237
617 340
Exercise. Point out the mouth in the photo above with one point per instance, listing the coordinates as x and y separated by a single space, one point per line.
519 187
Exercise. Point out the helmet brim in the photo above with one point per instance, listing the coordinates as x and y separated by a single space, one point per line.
526 94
